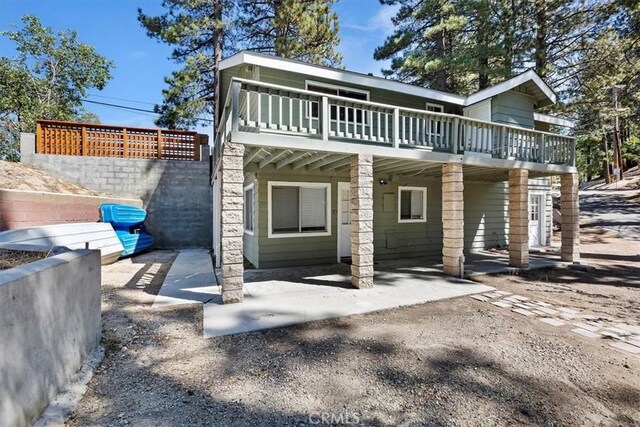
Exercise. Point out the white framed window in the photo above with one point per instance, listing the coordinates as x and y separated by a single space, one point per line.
434 128
249 194
343 113
299 209
412 204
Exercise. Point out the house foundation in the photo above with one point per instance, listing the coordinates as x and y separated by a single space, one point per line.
232 222
569 209
452 218
362 220
519 218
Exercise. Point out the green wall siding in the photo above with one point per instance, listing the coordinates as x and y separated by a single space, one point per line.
485 217
513 108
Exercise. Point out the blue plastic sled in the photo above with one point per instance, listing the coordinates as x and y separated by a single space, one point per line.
127 221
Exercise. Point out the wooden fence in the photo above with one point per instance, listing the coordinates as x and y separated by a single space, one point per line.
85 139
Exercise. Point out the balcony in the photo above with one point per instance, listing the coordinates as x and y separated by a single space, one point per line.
262 108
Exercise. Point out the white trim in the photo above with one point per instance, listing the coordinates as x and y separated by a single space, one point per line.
510 84
431 104
351 77
253 211
558 121
333 86
329 86
292 142
341 186
325 185
424 203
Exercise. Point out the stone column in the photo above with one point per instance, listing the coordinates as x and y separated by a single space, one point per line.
570 212
452 218
519 218
362 220
232 222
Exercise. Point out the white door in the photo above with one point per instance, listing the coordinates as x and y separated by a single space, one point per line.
344 220
536 220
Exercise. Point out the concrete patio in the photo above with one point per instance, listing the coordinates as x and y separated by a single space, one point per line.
282 297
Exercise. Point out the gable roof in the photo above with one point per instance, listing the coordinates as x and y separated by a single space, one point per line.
529 82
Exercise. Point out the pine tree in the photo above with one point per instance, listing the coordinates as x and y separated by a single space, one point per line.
201 30
448 45
305 30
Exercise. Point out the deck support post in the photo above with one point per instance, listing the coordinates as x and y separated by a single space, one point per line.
452 219
231 252
362 221
519 218
570 212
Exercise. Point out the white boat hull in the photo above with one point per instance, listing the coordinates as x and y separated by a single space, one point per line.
78 235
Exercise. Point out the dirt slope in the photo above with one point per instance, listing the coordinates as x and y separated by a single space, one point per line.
19 176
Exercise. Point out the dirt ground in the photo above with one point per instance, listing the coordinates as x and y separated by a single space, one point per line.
454 362
19 176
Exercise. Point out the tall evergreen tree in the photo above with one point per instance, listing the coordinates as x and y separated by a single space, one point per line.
200 30
306 30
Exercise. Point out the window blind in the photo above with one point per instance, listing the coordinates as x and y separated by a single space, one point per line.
313 206
285 208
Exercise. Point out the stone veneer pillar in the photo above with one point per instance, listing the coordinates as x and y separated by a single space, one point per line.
362 220
570 212
452 218
519 218
232 222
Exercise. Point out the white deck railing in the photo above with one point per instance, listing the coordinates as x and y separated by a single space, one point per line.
253 106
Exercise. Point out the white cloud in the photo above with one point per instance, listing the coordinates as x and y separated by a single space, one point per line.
137 54
380 22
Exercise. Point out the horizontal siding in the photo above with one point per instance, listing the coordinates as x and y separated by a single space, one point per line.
513 108
294 251
413 239
295 80
486 222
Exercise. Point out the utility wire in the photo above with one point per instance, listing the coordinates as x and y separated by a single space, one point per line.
125 107
121 99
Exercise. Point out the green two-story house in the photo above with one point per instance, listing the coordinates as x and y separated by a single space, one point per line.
316 165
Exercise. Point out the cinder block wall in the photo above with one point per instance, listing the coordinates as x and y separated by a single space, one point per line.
50 321
21 209
176 194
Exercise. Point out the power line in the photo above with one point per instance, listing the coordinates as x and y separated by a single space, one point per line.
125 107
122 99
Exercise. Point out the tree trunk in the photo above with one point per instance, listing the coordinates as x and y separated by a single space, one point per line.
217 58
441 74
541 38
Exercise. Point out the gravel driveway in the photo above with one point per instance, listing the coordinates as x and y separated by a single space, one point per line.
455 362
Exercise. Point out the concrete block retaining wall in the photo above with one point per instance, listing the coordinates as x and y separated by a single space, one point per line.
21 209
176 194
50 321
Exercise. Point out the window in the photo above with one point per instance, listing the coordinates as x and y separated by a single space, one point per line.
299 209
248 209
412 204
434 128
337 112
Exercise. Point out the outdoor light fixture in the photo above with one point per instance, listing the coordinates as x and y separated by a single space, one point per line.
383 182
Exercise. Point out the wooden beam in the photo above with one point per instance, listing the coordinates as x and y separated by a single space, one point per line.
314 157
330 159
252 155
273 157
284 162
335 165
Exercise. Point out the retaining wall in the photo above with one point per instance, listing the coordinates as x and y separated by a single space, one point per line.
176 194
21 209
50 321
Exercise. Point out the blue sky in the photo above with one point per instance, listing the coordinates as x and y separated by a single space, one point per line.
141 63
